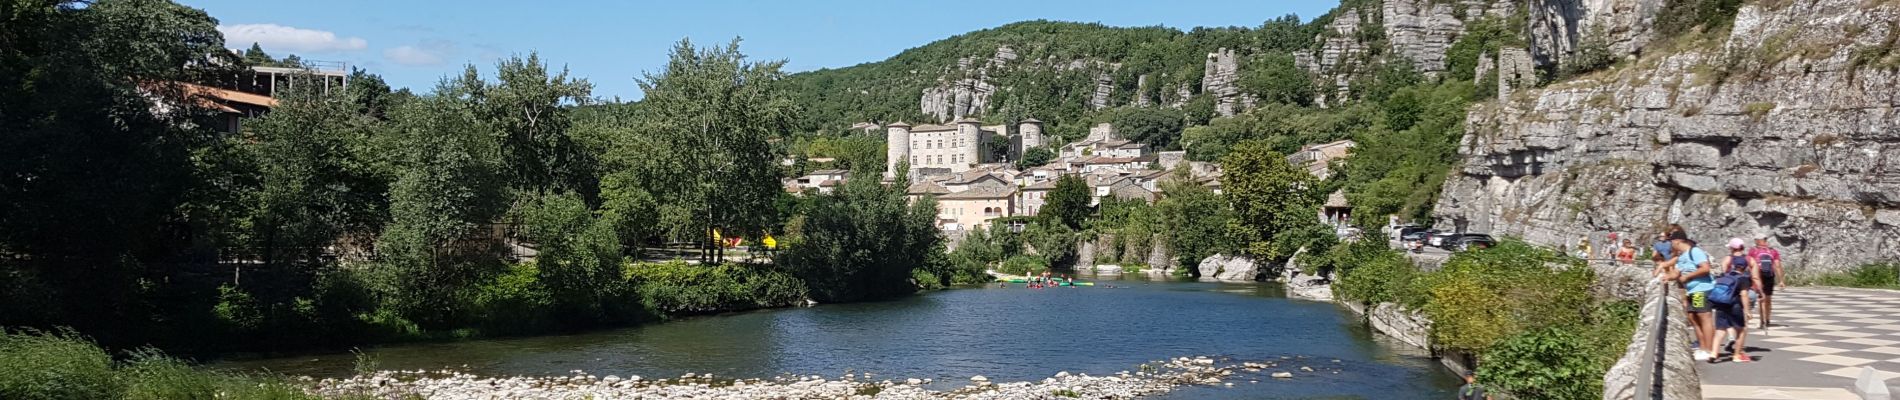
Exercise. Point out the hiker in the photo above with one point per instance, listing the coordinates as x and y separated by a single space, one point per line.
1768 266
1583 248
1731 313
1692 272
1472 390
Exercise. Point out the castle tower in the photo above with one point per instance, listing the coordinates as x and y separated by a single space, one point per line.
969 146
896 147
1031 131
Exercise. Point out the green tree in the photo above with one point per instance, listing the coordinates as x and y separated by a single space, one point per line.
702 149
529 108
578 255
448 184
256 56
864 241
1068 203
316 180
1275 78
1276 205
1159 127
1195 218
1035 157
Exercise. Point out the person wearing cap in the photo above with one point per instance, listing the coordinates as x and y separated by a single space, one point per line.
1733 318
1768 264
1692 271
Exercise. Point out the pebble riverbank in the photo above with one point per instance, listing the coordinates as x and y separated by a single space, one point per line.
1151 379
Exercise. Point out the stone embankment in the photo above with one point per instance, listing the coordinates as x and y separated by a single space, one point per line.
1152 379
1659 362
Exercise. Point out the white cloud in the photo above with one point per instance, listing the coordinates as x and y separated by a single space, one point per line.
279 38
426 53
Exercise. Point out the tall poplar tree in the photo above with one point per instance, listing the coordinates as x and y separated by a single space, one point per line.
702 145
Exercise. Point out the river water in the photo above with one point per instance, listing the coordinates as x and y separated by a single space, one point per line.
1006 334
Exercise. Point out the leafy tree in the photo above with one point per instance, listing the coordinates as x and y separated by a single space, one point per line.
863 241
578 256
528 109
1158 127
1275 203
1274 77
448 183
94 185
702 148
1195 218
256 56
1068 203
316 180
1035 157
1053 241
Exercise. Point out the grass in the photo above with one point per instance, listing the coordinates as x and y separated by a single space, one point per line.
38 365
1873 276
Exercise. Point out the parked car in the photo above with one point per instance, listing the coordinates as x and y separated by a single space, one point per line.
1437 239
1467 241
1407 230
1415 241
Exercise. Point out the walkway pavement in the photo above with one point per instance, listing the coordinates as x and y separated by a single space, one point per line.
1822 339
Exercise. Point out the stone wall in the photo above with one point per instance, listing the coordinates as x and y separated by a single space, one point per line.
1659 359
1775 130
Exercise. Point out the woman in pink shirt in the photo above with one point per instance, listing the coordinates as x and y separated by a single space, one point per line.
1769 261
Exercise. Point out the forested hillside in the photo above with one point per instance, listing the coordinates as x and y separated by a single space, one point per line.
1059 72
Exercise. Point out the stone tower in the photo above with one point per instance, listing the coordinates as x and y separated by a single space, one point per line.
969 143
896 147
1031 131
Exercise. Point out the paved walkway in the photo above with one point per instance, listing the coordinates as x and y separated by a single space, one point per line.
1821 341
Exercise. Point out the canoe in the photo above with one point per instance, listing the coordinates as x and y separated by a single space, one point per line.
1058 284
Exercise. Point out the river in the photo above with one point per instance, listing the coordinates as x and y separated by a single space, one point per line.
1006 334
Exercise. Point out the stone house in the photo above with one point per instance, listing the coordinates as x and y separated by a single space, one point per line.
974 208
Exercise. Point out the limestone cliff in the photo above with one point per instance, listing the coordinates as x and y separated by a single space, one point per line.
1783 127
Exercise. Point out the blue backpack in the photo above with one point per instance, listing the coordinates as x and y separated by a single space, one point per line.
1728 288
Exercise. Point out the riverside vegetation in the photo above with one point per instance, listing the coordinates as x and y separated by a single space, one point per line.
1525 314
372 215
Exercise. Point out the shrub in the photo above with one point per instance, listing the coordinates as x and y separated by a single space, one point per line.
1547 363
152 376
1483 296
514 301
1377 276
677 289
1024 265
54 365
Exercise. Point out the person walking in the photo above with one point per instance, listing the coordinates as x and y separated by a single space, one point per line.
1583 248
1732 318
1692 271
1768 264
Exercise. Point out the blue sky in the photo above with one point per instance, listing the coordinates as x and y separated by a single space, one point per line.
414 43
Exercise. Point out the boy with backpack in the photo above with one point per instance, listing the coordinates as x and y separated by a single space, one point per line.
1730 296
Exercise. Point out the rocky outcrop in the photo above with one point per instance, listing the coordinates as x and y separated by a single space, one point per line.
955 99
1786 129
1411 327
1221 79
1303 284
1333 59
1229 268
1104 87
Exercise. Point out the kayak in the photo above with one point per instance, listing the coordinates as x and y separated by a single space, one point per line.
1020 280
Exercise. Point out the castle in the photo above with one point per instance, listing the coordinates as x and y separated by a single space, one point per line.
953 148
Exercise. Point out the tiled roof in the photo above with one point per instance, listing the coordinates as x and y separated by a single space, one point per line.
980 194
926 188
932 128
1044 185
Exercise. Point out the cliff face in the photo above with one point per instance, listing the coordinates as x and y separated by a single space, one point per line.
1785 127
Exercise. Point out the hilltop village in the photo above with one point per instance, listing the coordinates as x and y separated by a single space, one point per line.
974 188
